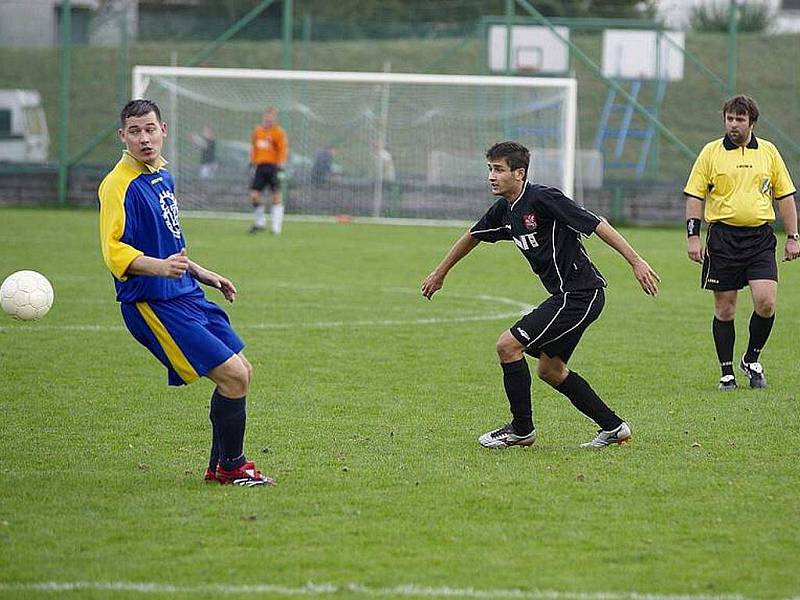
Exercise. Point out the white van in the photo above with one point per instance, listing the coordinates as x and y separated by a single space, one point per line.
23 127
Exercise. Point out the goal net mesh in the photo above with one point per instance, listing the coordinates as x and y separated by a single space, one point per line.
396 146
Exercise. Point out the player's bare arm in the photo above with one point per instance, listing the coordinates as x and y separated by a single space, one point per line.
788 210
212 279
173 266
694 247
434 282
644 274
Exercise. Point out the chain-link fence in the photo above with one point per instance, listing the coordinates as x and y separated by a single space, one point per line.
629 165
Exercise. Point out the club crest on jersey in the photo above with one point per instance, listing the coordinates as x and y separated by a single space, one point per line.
169 212
529 221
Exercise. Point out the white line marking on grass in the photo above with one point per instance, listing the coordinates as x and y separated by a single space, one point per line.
330 219
521 307
317 589
35 328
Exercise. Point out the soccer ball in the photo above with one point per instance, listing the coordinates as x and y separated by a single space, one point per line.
26 295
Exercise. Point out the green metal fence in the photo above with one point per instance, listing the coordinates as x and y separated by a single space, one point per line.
83 84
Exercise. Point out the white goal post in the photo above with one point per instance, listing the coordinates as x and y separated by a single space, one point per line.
377 144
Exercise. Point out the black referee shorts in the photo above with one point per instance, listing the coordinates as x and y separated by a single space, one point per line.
737 255
266 175
557 324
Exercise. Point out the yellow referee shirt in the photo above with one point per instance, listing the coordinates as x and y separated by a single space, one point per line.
737 184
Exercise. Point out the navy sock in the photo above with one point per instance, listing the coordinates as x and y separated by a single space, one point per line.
517 381
760 328
214 454
724 338
586 400
230 416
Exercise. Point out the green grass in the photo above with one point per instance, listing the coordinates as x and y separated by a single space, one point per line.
367 416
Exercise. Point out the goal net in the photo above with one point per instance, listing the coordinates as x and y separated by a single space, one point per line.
362 144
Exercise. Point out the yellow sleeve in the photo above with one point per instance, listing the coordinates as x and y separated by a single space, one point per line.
782 181
700 177
117 255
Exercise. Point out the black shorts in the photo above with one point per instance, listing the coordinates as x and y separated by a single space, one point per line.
738 255
266 175
557 324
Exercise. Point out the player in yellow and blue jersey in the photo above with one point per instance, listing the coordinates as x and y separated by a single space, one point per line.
157 287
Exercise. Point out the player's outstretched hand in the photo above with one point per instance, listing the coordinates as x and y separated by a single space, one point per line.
695 249
432 284
646 277
175 265
215 280
792 250
225 286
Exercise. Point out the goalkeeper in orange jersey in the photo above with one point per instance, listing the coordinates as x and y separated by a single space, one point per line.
268 152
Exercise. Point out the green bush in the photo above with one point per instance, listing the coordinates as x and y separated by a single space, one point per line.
753 16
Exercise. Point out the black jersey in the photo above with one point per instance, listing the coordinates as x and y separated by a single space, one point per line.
546 226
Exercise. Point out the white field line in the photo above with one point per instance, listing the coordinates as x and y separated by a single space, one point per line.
520 307
331 219
37 327
356 589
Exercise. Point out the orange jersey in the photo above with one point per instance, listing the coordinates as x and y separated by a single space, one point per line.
268 146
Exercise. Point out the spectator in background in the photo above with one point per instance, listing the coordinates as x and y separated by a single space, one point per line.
206 142
323 165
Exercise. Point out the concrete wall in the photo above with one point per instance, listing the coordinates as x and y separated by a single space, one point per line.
631 203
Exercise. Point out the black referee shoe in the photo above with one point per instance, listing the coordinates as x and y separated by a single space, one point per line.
755 373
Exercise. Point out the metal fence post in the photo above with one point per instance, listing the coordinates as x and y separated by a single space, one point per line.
63 126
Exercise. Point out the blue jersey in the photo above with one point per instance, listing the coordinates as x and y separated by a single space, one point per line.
139 216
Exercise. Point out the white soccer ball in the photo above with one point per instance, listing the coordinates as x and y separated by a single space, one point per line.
26 295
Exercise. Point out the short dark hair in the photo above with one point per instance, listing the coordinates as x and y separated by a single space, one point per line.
517 156
139 108
741 105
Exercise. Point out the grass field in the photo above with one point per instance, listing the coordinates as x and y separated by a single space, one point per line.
366 404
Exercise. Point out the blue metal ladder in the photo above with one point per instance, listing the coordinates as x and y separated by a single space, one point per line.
619 122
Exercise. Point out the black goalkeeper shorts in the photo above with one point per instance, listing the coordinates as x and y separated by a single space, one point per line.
555 326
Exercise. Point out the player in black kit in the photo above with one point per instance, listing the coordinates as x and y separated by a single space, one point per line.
547 227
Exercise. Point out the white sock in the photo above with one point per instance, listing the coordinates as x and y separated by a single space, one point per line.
259 216
276 213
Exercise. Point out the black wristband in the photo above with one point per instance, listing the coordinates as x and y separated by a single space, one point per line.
693 227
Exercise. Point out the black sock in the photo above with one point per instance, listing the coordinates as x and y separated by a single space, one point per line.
724 338
760 328
517 381
230 416
214 455
586 400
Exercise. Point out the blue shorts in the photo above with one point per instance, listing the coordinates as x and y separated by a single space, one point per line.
188 334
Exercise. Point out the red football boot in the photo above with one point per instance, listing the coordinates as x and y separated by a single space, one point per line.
246 475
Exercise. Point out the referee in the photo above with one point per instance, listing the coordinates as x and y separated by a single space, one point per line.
738 177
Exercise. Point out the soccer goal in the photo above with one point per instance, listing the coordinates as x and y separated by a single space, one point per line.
363 144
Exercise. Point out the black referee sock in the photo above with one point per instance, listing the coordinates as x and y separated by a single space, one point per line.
517 381
586 400
230 416
760 328
724 338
